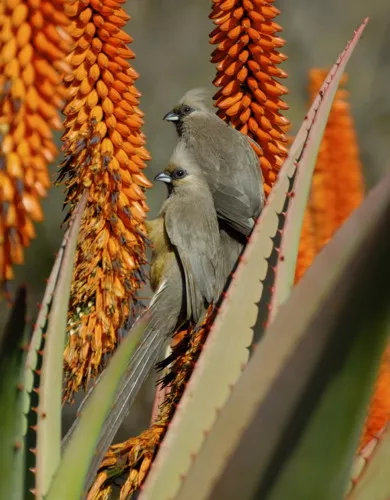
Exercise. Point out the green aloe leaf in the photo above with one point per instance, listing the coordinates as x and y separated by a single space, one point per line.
50 390
33 367
70 478
318 115
374 482
13 347
41 322
226 350
292 424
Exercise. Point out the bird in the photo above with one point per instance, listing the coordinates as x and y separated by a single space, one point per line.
186 276
187 228
231 166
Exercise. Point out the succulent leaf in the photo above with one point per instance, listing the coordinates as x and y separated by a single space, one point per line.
80 448
13 347
33 365
293 421
373 482
317 116
50 390
232 332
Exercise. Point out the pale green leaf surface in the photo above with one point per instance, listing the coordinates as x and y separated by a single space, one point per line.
69 480
374 483
318 115
223 357
11 414
226 350
50 390
292 423
41 323
33 360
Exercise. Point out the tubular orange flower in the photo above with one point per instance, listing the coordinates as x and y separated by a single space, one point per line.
105 153
247 57
338 189
33 45
337 182
337 186
307 247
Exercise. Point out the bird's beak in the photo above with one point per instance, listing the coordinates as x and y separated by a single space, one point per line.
163 177
171 117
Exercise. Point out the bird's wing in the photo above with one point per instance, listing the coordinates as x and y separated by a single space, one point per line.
198 254
232 205
233 173
232 244
239 195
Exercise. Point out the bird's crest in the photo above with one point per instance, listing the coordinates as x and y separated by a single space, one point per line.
196 98
182 156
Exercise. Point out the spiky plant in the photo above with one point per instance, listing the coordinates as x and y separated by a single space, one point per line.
337 166
104 149
247 58
337 190
249 99
338 186
264 422
33 46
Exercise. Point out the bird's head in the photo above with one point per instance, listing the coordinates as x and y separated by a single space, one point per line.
173 176
190 105
182 171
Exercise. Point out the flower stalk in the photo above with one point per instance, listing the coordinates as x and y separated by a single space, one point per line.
338 186
104 150
337 190
249 96
33 50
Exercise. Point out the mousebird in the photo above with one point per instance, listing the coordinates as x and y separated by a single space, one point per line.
231 166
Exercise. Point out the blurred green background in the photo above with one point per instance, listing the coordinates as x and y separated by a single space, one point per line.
173 52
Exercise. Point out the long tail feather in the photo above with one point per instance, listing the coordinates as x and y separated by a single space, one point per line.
140 367
163 311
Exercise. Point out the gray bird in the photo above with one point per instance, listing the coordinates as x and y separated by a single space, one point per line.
226 157
187 228
186 276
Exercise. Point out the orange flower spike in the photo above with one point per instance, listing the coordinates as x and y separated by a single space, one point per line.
337 187
105 153
349 189
33 46
307 246
247 59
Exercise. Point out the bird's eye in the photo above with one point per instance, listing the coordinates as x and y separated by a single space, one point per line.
179 173
186 110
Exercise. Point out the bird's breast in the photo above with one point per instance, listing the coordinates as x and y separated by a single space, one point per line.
162 252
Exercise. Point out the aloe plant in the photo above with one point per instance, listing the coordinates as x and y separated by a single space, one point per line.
281 420
13 345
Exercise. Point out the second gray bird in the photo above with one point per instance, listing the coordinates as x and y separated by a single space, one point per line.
226 157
